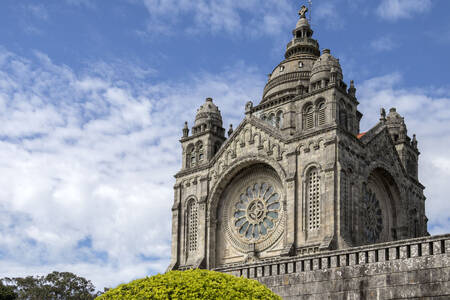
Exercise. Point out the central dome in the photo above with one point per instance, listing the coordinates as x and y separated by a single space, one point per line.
292 75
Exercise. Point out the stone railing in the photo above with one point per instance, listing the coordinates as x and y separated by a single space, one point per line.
383 252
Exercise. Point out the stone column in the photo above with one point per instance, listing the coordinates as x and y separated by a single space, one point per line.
291 204
175 251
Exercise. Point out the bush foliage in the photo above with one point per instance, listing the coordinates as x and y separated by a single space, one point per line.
191 284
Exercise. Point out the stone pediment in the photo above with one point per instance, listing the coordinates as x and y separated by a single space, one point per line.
252 137
381 149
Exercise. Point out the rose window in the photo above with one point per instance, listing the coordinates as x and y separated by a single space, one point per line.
373 217
257 211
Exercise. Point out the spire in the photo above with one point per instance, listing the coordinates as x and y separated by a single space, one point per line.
302 43
185 130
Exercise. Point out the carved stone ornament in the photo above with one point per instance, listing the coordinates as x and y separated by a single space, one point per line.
372 217
257 211
253 213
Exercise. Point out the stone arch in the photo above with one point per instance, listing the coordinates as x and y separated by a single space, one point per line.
190 155
279 119
320 111
308 115
191 244
380 206
220 186
313 196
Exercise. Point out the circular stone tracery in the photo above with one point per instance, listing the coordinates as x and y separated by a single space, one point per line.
257 211
373 217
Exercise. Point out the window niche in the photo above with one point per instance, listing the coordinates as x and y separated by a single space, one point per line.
192 228
313 199
308 117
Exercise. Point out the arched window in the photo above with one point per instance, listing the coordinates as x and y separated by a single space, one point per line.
313 199
192 228
190 156
279 119
343 116
321 116
308 117
271 119
199 150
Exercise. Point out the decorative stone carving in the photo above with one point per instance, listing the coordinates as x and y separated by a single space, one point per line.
252 210
257 211
372 216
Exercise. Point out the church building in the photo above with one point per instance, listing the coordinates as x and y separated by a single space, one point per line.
297 187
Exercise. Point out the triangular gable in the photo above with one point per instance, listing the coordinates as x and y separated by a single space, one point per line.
251 137
381 147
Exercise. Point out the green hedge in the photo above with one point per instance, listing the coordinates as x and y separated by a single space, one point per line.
191 284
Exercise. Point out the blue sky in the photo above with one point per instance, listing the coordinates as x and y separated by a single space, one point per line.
93 96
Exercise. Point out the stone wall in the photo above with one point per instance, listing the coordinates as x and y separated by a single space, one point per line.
408 269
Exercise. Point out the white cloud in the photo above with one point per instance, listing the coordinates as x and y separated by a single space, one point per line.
402 9
89 157
327 12
428 115
233 17
384 43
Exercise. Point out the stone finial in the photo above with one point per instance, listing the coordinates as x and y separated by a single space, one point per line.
382 115
302 12
414 141
185 130
230 131
352 89
248 106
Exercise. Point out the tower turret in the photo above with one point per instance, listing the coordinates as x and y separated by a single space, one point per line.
207 136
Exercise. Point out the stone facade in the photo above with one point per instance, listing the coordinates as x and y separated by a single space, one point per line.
296 178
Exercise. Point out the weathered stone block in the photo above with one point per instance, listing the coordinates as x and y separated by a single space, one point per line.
251 273
316 263
343 260
352 259
414 250
425 249
437 247
275 270
362 258
393 253
282 269
266 270
403 252
381 254
290 267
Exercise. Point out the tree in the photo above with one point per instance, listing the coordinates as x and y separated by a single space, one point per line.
191 284
7 292
54 286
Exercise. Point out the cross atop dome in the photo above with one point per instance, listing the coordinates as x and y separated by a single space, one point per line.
302 12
